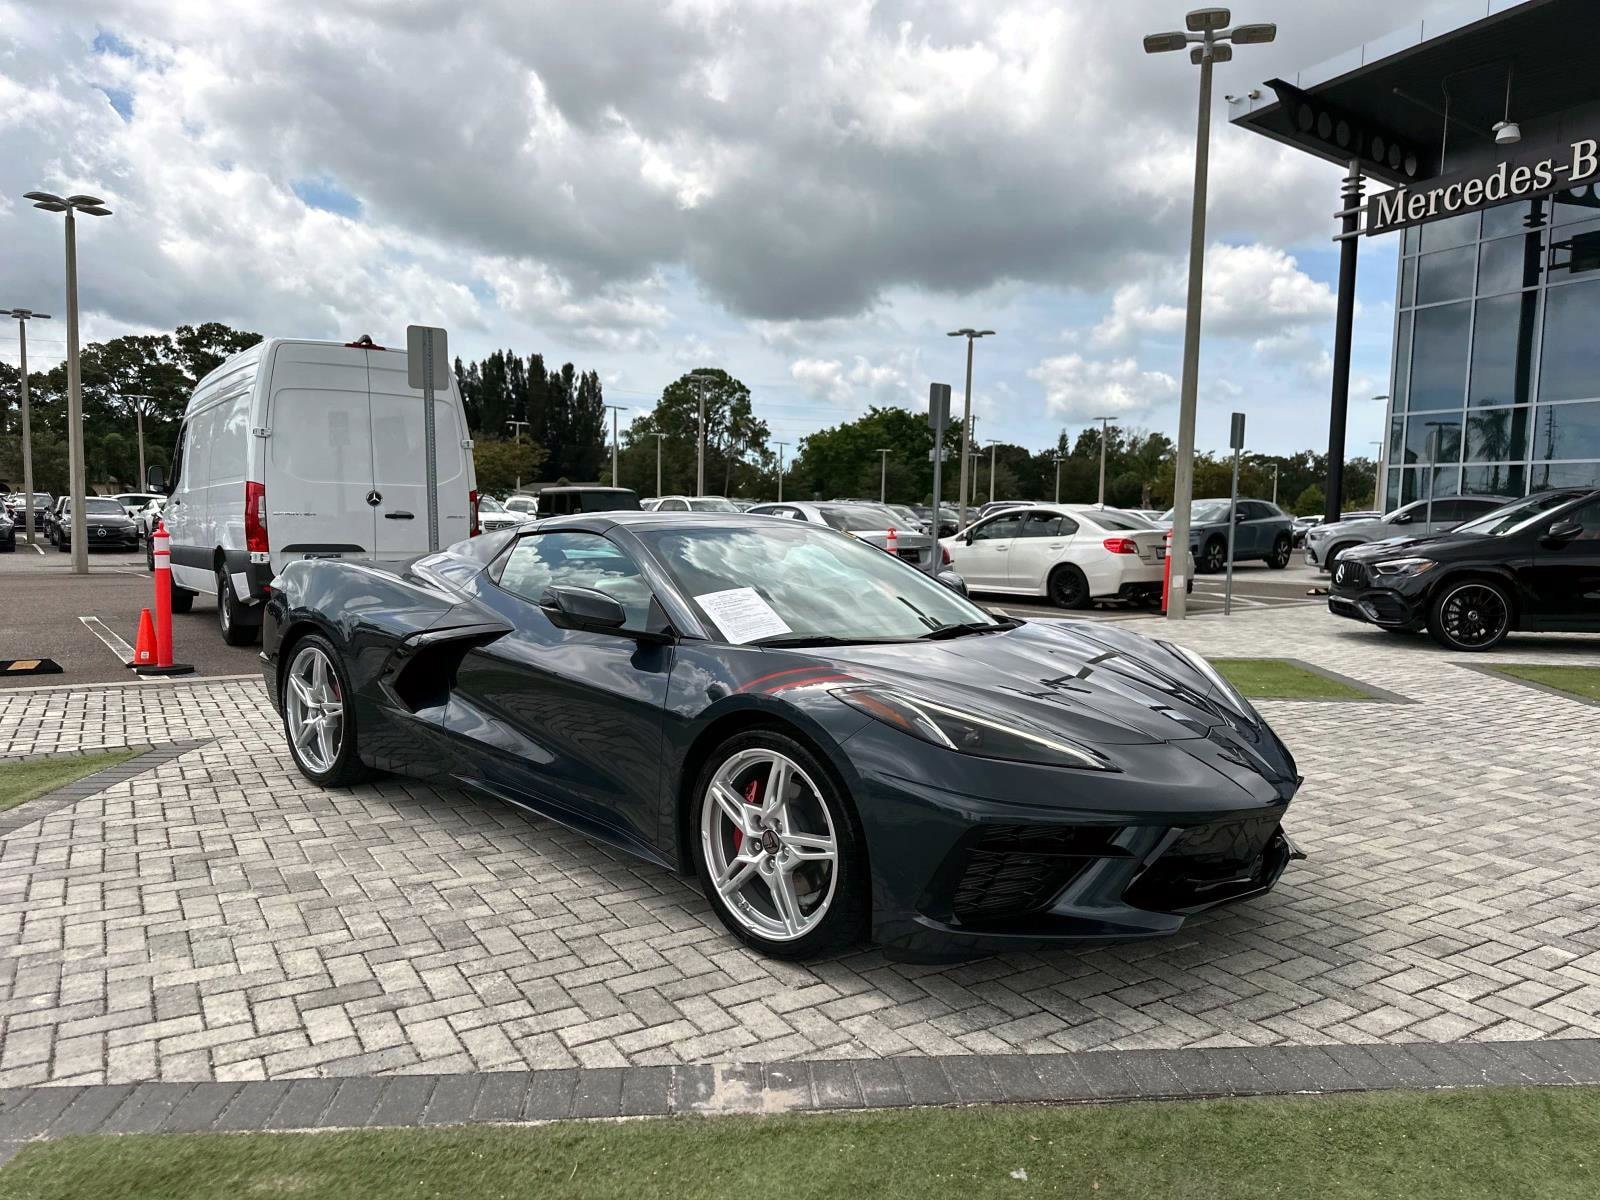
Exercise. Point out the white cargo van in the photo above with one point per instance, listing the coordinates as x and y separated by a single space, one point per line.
299 449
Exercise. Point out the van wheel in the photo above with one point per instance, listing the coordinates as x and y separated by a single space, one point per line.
233 618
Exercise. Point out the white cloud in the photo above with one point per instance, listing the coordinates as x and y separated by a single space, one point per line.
836 382
1080 388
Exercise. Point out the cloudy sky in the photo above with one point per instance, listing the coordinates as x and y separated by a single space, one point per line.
806 192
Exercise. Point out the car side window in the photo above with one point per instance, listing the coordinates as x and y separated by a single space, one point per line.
1588 516
1000 527
179 450
543 560
1047 525
1253 510
672 506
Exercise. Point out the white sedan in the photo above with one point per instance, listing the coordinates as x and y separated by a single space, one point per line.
1073 554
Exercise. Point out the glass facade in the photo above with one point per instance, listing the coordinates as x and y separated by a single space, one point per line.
1496 384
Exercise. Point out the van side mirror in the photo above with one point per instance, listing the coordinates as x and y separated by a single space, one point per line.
155 479
1563 531
582 608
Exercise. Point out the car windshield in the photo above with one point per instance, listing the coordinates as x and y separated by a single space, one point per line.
857 518
1202 512
490 504
712 504
1509 518
820 586
102 507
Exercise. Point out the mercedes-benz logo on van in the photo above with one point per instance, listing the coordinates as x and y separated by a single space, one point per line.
374 497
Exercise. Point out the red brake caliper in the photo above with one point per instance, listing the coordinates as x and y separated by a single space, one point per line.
750 794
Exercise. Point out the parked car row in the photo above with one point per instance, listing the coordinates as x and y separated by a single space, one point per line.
1324 544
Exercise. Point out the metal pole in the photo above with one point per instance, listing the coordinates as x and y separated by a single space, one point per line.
659 436
138 417
1183 470
780 446
1343 324
883 476
1105 423
27 433
76 484
616 443
1058 479
700 453
967 429
939 405
1275 482
1377 481
993 446
1233 525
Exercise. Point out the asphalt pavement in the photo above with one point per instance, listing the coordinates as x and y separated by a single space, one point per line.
1255 586
88 623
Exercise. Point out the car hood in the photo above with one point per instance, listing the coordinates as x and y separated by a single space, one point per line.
1335 527
1386 546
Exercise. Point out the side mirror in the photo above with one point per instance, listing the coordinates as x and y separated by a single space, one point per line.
1404 518
953 581
1238 516
155 479
582 608
967 537
1563 531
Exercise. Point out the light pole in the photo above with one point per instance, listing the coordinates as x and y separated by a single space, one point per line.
700 379
91 206
1377 476
993 445
1208 42
659 436
883 474
1105 429
22 316
967 423
780 446
1382 472
139 409
1058 477
616 445
1275 467
516 430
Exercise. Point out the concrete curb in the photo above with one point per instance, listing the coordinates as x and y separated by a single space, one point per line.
513 1097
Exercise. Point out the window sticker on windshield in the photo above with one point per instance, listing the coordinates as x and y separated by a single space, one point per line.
742 615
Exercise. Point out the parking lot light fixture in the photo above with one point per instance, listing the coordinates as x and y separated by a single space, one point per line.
1209 41
993 443
781 447
971 335
883 473
1105 433
91 206
701 378
22 316
615 444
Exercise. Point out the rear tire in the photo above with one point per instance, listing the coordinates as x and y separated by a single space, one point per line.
825 903
1282 552
319 716
1068 588
233 618
61 545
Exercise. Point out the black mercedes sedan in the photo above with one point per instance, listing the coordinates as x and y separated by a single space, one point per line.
107 526
1531 564
837 745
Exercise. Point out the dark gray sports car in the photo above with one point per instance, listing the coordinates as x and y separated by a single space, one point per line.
835 744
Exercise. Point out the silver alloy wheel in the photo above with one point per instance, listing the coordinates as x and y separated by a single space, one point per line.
224 611
769 844
314 709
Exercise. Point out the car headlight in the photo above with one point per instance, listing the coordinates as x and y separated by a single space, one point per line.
1403 567
968 732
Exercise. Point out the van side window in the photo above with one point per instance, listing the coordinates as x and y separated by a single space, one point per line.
180 448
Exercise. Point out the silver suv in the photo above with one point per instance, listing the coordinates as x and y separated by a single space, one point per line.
1324 543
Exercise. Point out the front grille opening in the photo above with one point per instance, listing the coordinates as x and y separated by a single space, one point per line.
1207 864
1003 872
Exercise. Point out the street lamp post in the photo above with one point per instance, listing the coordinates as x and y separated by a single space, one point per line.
780 446
1275 467
993 445
700 379
659 436
22 316
1377 476
1382 461
883 474
516 430
91 206
1208 41
1058 477
616 445
140 407
1105 429
971 335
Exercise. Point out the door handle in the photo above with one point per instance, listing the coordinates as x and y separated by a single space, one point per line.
400 515
1055 545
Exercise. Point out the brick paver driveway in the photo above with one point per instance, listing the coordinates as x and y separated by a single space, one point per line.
219 918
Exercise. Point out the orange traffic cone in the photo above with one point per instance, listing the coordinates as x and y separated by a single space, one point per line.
144 646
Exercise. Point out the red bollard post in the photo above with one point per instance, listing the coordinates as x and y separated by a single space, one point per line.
1166 573
161 551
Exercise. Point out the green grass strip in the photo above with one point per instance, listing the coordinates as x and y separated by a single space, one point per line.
1279 679
1466 1145
23 781
1577 681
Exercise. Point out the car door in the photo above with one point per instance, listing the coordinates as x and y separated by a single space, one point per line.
1249 530
980 556
1043 539
1562 589
570 720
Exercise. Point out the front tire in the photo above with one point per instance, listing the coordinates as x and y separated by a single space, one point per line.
319 716
1282 552
776 847
1068 588
1213 557
1470 615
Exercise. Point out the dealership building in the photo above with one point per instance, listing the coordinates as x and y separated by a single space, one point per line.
1473 136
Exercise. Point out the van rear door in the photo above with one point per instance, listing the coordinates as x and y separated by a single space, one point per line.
319 454
399 465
